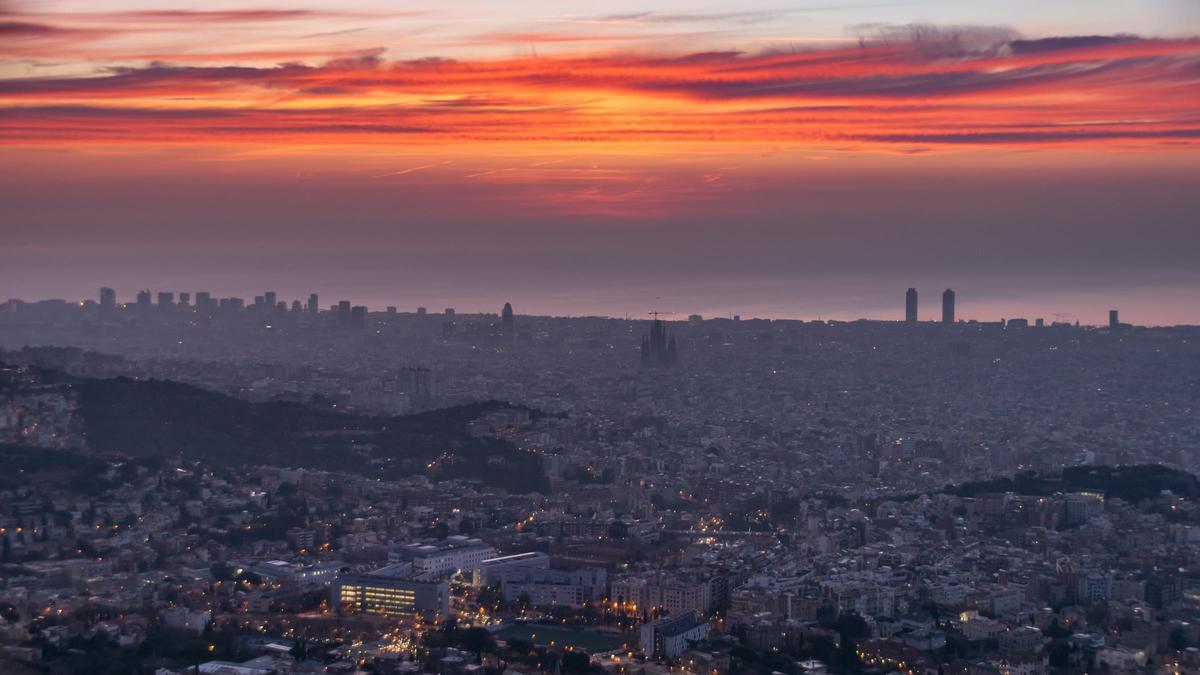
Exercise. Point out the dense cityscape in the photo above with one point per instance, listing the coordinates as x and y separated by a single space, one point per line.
202 484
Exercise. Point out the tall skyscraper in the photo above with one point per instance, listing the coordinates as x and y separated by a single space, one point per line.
417 383
343 313
314 305
948 306
269 300
658 348
143 299
108 298
910 306
358 316
1114 320
507 324
204 302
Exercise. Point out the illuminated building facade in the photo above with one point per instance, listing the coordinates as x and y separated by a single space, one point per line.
390 596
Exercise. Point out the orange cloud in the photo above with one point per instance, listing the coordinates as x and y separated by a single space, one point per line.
1090 90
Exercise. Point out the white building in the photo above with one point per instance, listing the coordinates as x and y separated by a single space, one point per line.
670 636
452 554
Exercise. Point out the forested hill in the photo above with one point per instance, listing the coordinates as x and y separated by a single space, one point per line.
1130 483
141 418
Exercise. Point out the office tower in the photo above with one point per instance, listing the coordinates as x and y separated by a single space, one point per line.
658 348
417 383
507 324
343 314
314 306
165 299
184 297
910 306
203 301
143 299
297 307
108 298
1114 322
948 306
269 300
421 311
358 317
259 302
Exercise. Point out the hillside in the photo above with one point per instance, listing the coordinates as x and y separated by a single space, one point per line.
1130 483
145 418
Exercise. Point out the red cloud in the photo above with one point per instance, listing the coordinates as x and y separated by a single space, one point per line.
1089 90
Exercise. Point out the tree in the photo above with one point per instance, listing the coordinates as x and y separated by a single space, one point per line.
477 640
575 662
491 597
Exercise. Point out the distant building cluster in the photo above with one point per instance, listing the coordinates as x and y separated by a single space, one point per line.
462 494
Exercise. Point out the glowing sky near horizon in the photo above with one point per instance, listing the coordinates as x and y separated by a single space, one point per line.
796 159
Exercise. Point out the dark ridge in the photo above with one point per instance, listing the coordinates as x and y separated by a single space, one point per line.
147 418
1132 483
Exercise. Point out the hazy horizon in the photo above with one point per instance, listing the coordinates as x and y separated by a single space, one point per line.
804 161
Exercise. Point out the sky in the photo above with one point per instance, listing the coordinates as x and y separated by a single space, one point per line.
804 159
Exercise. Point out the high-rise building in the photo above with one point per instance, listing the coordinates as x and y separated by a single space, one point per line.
421 311
948 306
658 348
297 307
184 298
204 302
507 324
269 300
358 316
1114 320
143 299
343 313
910 306
417 383
108 298
314 305
165 299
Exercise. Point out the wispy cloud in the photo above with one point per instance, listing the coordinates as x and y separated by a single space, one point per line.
914 86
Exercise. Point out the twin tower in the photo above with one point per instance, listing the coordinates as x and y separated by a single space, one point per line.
910 306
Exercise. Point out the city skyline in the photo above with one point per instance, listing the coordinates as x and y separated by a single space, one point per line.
779 161
644 337
107 298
